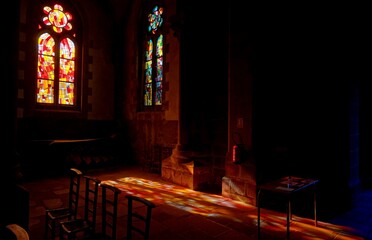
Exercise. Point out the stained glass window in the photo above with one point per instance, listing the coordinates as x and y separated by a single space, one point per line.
56 82
153 66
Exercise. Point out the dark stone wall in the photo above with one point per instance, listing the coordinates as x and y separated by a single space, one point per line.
14 203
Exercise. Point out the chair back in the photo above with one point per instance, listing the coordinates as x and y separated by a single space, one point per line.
74 191
82 228
90 202
54 216
110 196
139 216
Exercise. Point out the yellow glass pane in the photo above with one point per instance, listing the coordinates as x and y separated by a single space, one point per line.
66 93
45 91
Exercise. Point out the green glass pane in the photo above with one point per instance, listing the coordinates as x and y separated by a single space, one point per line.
159 93
159 69
148 72
148 95
159 75
159 46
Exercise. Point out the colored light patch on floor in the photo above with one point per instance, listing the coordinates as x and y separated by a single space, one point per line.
222 208
179 197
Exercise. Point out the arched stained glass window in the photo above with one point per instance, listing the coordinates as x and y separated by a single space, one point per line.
153 66
56 65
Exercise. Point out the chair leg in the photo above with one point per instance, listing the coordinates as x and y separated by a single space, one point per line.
52 232
50 229
46 233
61 234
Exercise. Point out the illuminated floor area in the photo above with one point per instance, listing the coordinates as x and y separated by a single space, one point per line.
182 213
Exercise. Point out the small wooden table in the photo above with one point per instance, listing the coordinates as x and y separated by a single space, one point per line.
287 186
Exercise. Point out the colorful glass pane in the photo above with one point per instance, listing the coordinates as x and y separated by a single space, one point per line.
148 72
159 46
46 44
45 67
155 19
66 93
159 78
148 95
45 91
67 49
57 18
47 57
153 89
159 93
149 50
159 69
67 71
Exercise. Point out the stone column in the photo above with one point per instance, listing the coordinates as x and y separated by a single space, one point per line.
239 182
187 165
10 72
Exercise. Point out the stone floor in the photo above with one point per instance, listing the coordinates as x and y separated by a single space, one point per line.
183 214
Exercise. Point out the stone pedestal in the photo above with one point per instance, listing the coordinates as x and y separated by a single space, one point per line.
239 189
239 183
187 169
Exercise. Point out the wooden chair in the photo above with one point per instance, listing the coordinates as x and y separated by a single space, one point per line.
14 231
110 197
53 217
84 227
139 216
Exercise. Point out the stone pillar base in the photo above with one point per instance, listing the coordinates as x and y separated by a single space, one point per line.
239 189
186 170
